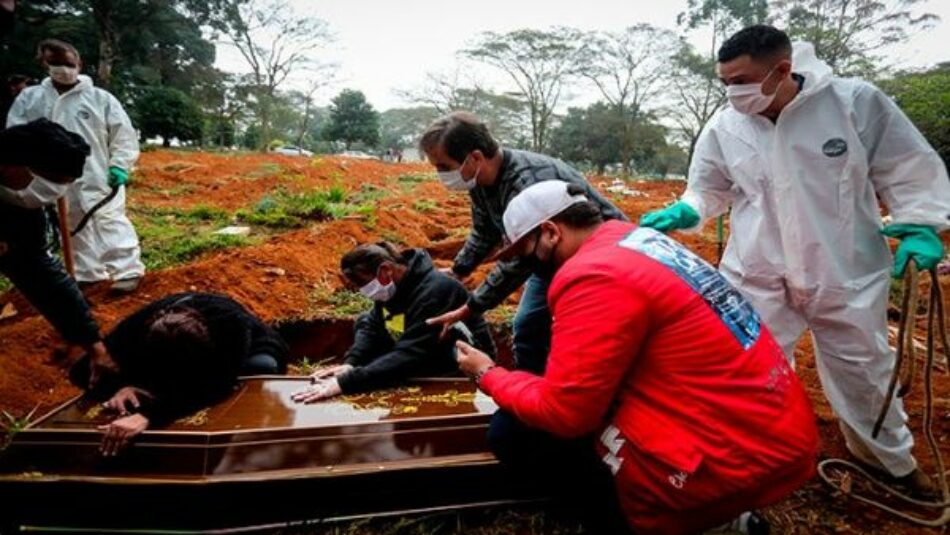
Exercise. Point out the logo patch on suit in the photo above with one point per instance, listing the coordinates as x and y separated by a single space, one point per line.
84 115
731 307
834 147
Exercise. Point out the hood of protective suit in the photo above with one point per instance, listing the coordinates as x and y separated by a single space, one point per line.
805 62
85 83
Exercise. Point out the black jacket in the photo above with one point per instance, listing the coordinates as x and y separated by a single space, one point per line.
180 388
424 292
25 258
519 169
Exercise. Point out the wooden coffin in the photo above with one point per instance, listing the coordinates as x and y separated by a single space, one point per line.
258 458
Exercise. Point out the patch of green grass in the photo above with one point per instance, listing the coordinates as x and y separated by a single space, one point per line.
188 248
338 304
172 236
266 169
175 191
11 425
424 205
369 193
5 284
294 210
394 237
415 178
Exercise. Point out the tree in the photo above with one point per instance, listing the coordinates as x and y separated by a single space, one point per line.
353 119
448 92
695 95
169 113
849 34
630 70
540 63
587 137
275 43
925 98
400 128
163 25
724 17
305 100
223 100
125 44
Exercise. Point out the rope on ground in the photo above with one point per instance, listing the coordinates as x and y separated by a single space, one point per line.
935 314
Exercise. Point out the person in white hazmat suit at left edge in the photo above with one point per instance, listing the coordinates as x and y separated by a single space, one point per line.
38 161
106 247
803 159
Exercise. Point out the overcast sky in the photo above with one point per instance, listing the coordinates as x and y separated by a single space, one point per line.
382 46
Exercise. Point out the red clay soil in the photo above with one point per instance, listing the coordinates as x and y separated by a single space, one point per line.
419 214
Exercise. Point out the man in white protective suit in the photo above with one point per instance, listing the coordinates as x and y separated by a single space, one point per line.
802 158
107 246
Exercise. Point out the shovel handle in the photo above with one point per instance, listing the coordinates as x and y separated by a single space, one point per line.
64 235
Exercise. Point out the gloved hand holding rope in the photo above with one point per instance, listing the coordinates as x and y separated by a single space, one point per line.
936 323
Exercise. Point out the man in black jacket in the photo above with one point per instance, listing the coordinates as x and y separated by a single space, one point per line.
406 284
178 355
38 161
467 158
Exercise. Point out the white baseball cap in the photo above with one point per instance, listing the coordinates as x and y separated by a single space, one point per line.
534 205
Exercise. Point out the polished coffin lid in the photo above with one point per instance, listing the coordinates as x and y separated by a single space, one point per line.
260 433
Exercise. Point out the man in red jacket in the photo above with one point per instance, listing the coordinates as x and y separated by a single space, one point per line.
695 410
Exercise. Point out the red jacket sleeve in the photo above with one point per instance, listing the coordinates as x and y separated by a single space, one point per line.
598 329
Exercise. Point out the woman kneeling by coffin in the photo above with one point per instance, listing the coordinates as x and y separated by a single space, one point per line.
400 283
176 356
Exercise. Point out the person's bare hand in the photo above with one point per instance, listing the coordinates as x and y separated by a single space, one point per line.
319 391
332 371
118 433
450 318
471 360
100 362
124 398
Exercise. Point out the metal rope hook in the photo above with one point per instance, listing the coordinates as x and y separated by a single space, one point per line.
935 314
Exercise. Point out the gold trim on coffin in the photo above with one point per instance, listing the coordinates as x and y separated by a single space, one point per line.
398 401
197 419
406 400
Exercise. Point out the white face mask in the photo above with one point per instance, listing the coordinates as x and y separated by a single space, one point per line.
454 181
40 192
63 75
378 291
748 98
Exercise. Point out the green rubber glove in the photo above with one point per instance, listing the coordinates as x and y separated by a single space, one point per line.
919 242
118 176
676 216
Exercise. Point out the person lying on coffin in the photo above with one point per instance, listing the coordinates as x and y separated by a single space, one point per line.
403 284
176 356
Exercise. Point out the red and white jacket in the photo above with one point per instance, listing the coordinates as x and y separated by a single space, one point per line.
698 414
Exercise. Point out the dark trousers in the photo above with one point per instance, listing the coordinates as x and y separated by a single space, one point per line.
26 260
567 469
531 327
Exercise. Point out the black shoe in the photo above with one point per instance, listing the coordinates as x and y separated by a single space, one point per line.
748 523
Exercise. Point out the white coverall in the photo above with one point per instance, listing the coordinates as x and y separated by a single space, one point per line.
108 247
805 246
